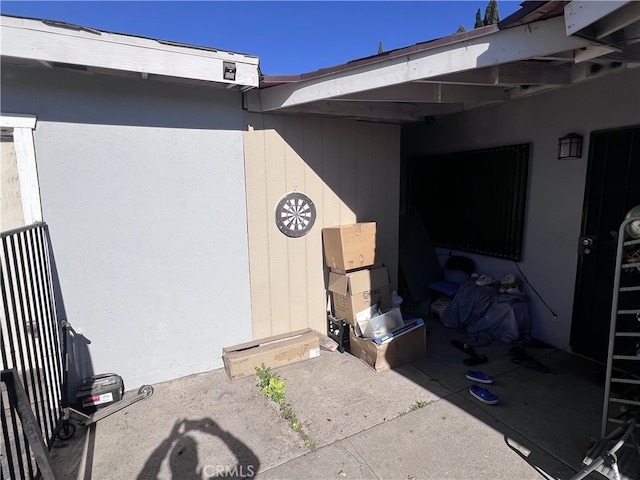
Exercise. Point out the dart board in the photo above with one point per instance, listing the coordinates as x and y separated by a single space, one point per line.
295 214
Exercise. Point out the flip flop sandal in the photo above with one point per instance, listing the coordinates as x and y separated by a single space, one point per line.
519 354
484 395
536 365
480 377
468 349
475 360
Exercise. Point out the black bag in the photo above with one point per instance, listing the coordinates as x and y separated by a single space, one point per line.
99 391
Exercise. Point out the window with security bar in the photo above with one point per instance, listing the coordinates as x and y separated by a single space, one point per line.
474 201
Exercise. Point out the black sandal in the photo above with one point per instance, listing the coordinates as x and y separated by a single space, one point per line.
475 360
521 357
468 349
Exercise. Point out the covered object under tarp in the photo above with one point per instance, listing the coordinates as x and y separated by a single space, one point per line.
484 310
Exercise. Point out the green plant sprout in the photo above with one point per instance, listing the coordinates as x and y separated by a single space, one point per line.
270 384
416 406
273 387
419 404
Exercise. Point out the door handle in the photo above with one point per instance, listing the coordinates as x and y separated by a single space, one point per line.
586 245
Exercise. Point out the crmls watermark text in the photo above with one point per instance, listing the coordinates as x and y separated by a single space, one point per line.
237 471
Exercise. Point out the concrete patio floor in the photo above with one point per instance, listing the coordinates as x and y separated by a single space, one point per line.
416 422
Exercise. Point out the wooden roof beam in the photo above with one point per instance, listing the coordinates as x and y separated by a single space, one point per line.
431 93
496 48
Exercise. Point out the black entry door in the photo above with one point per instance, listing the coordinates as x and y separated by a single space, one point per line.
612 189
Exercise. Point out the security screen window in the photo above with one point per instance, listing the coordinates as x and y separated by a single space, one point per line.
474 201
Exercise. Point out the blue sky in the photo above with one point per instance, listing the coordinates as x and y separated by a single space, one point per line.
289 37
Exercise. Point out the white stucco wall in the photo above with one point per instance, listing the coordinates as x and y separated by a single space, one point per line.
556 188
142 186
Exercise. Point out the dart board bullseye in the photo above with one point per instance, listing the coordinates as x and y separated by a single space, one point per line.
295 214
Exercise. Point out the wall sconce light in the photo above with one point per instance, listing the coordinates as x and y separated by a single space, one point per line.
229 71
570 146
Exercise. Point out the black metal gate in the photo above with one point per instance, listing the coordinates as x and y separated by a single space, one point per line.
612 190
30 348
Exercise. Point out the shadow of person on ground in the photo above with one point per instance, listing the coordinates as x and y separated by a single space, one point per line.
180 449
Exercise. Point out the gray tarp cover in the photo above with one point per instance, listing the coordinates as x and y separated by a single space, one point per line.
484 310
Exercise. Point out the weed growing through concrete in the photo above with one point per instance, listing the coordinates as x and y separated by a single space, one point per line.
416 406
273 387
270 384
419 404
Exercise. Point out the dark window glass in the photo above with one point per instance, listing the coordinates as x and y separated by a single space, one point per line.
474 201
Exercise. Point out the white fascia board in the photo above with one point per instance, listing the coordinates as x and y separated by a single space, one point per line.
32 39
17 120
580 14
519 43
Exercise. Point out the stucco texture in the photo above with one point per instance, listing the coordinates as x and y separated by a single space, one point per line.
142 186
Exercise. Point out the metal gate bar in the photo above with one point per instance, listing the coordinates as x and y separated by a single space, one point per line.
20 403
30 345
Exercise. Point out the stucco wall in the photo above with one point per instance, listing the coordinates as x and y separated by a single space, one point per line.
556 188
351 172
142 187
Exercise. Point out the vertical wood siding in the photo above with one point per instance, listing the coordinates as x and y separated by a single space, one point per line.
350 170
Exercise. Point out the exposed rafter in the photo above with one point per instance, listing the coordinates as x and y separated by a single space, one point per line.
542 38
604 18
541 48
380 111
432 93
528 72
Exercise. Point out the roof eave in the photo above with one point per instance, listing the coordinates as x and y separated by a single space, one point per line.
60 43
468 51
272 80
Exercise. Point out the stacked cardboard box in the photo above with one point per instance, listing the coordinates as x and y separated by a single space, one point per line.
347 247
360 288
356 294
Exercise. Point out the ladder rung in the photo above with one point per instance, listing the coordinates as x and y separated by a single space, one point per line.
619 421
631 242
627 334
624 400
615 420
630 289
626 357
628 312
625 380
630 265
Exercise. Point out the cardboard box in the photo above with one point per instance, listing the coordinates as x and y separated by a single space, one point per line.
350 246
277 351
399 350
356 292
